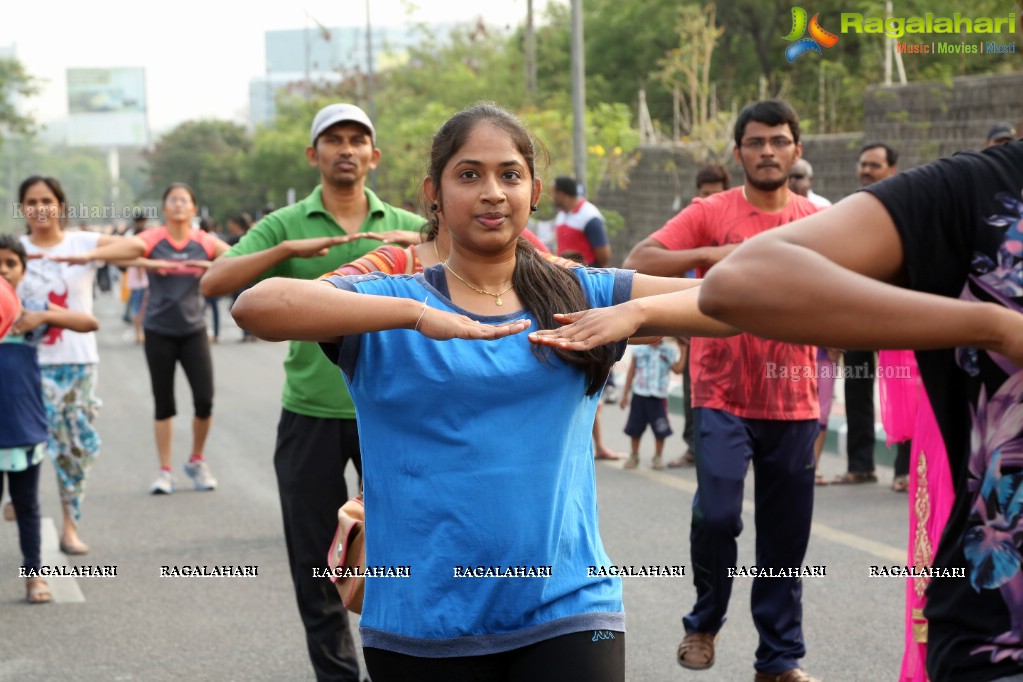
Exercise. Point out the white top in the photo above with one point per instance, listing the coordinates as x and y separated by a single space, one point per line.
66 285
817 200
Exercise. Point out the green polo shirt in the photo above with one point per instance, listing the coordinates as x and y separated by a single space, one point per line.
313 386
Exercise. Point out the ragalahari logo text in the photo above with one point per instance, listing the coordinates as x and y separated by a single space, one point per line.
819 38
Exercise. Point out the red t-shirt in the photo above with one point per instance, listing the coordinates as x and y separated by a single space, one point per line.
744 375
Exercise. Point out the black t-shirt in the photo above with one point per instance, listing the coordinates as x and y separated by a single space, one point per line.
960 223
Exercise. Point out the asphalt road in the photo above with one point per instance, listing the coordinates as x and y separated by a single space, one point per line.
140 626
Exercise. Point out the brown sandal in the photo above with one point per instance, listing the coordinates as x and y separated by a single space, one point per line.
37 591
900 484
696 650
855 478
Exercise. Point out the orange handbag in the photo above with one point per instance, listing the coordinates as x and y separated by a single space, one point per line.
347 556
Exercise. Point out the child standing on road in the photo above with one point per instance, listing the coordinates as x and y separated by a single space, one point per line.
647 380
23 424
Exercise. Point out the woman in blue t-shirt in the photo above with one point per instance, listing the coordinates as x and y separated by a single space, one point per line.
479 481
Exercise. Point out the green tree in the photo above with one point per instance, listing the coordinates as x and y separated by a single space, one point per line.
210 156
82 171
15 83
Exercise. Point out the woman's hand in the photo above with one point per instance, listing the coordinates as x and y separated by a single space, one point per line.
73 259
160 265
590 328
442 326
403 237
313 247
28 321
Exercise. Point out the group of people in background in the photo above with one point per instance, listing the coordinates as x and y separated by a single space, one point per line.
487 324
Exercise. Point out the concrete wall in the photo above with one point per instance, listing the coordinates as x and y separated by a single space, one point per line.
922 121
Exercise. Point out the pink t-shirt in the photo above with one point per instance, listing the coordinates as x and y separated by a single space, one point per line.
744 375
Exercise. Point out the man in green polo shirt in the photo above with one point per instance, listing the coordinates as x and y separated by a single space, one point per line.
340 221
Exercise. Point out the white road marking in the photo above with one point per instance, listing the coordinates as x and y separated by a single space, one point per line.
65 589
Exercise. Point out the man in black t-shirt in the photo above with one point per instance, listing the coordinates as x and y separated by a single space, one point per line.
931 259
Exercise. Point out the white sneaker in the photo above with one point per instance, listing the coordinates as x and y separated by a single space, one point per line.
200 475
163 485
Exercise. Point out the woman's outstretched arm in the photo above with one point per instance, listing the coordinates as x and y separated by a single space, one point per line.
832 279
659 306
283 309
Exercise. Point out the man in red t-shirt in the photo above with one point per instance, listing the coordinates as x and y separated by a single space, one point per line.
754 401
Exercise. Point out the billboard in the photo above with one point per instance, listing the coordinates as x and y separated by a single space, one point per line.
107 107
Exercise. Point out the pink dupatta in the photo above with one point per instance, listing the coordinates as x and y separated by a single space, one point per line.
907 415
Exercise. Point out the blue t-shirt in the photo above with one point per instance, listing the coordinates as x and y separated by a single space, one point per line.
22 415
476 455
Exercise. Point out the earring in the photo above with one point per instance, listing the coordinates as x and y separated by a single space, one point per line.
534 208
434 207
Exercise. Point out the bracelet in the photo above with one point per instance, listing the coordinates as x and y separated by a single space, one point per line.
423 312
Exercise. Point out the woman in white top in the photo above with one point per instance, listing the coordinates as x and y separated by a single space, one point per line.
68 359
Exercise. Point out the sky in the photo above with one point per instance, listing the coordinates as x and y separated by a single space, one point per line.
199 56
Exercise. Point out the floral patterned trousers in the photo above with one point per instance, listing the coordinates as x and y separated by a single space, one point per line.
69 392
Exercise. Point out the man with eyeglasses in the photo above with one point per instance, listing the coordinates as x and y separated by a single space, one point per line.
754 401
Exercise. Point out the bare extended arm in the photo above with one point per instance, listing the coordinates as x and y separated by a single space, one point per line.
110 249
228 275
660 306
281 308
831 279
651 257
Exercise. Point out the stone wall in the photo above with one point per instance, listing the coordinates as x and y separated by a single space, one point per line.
922 121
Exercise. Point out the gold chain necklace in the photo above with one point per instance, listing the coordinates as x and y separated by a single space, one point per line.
497 297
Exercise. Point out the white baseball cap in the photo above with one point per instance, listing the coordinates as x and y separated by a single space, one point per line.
339 113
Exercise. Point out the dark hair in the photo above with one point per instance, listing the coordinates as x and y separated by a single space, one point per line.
138 215
711 173
242 220
891 156
180 185
543 288
12 243
54 186
772 112
566 185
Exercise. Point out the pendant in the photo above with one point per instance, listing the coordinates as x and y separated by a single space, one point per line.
498 301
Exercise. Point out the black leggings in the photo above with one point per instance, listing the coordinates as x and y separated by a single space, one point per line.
25 496
193 352
589 656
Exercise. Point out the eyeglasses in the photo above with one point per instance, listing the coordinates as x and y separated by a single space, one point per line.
777 142
797 176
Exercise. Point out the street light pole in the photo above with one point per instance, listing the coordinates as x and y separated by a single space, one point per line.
369 85
369 63
530 53
578 94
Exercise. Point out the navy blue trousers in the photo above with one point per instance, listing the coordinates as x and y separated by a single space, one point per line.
781 453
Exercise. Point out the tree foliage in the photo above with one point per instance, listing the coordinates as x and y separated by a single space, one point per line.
718 56
15 83
210 156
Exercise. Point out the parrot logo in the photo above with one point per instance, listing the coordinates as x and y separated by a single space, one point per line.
819 37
